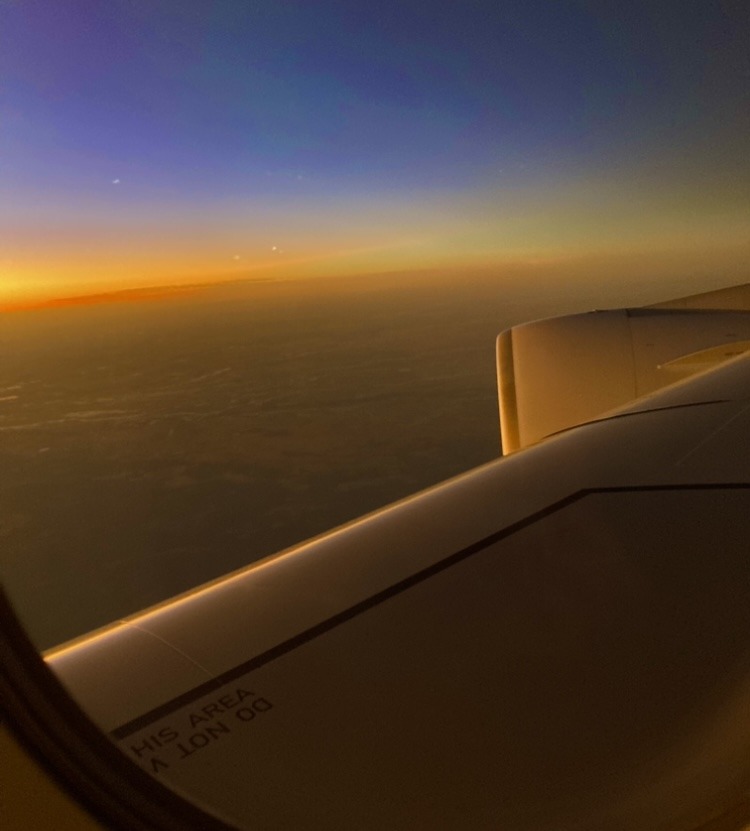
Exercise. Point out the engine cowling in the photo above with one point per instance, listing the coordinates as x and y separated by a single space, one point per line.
557 373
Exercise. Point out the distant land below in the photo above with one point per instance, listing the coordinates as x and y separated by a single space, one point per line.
148 447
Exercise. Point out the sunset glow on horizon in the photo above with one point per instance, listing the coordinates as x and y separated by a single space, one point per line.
194 143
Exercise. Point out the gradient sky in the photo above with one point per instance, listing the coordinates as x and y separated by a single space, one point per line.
147 143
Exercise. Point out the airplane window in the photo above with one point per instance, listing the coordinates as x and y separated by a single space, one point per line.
255 261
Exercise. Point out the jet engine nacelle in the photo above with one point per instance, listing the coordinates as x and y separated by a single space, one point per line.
557 373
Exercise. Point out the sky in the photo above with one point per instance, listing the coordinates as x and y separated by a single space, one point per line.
174 143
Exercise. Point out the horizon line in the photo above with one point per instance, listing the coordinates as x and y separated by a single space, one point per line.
159 291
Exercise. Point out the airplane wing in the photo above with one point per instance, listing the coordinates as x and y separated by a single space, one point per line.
555 640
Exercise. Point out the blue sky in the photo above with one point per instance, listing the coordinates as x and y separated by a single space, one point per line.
127 117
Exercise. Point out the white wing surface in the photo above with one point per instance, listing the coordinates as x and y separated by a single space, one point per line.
556 640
